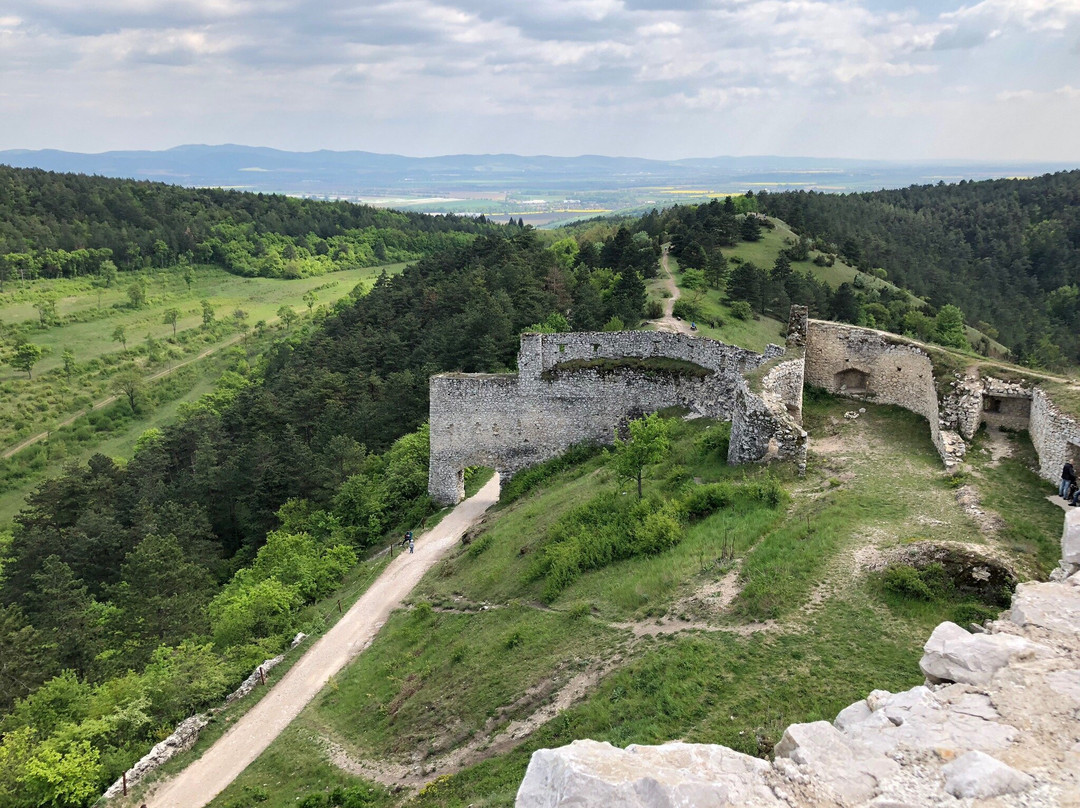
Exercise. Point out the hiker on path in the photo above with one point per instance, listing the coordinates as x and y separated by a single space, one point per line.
1068 477
411 542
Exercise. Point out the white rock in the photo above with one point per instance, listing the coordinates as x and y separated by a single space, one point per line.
1070 537
853 714
588 774
1053 606
954 655
847 770
979 775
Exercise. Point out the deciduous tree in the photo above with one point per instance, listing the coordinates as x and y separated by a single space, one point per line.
647 444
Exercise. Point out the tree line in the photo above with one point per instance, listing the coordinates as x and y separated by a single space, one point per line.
1006 252
66 225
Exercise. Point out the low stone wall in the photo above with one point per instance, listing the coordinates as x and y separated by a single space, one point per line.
1056 436
511 421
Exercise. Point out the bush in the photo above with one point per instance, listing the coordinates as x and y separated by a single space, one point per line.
686 310
525 481
715 441
967 613
741 310
654 310
906 582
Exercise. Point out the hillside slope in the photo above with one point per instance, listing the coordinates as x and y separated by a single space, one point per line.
757 616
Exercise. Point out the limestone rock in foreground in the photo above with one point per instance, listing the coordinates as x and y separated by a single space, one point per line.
1070 538
1051 606
977 774
954 655
589 774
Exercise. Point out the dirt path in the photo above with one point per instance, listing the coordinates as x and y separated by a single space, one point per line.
668 322
107 401
230 755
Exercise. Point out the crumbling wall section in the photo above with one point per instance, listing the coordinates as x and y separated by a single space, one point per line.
766 423
511 421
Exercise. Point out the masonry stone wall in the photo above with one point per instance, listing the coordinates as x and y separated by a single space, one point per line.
895 372
1056 436
766 422
511 421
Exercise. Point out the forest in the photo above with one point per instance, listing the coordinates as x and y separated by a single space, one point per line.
134 593
65 225
1006 252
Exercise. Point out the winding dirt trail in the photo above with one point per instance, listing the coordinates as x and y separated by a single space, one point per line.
219 765
107 401
668 321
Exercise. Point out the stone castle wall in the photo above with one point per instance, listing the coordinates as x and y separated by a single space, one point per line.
511 421
767 421
1056 436
875 366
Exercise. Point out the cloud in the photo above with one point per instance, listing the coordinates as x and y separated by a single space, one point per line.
538 72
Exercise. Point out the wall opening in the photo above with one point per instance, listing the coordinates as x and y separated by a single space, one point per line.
1013 412
851 380
476 477
1072 450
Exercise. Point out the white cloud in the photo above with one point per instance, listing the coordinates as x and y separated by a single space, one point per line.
449 75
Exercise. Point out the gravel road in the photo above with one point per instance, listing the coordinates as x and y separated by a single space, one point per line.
208 776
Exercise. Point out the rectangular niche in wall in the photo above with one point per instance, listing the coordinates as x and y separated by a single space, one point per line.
851 380
1013 412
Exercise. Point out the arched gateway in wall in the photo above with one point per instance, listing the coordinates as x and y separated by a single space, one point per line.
579 387
573 388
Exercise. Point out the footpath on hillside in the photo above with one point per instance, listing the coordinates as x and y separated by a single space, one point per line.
208 776
668 322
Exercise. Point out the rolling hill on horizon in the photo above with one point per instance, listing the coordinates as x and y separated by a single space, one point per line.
331 173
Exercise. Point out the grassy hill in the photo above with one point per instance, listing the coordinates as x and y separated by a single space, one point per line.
175 369
756 332
760 615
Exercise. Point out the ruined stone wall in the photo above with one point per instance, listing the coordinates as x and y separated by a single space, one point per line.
511 421
766 422
1056 436
893 371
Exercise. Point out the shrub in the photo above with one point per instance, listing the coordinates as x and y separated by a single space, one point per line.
974 613
654 310
686 310
905 581
714 441
741 310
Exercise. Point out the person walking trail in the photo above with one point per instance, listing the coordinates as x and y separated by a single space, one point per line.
219 765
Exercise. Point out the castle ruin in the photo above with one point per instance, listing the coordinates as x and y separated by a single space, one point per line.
581 387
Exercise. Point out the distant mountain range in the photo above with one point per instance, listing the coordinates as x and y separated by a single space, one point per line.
351 173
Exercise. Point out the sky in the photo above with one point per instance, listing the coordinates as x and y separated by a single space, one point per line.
667 79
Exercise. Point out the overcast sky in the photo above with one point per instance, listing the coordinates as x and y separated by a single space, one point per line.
902 79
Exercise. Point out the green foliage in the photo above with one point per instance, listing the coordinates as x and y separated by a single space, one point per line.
647 443
261 601
26 356
686 309
604 530
740 309
554 324
949 328
389 491
531 478
714 442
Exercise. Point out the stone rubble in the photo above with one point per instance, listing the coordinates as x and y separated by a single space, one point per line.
187 731
997 725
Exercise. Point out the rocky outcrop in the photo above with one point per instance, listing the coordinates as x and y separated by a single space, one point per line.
588 773
996 724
